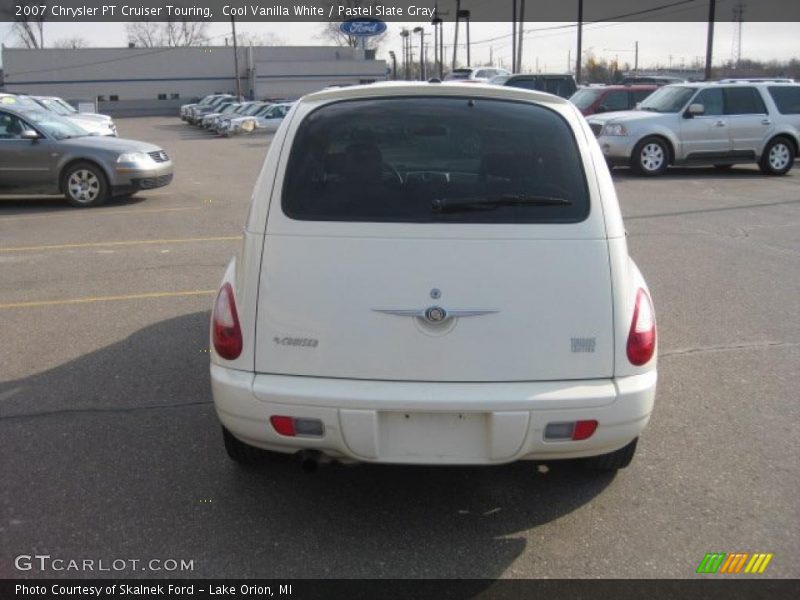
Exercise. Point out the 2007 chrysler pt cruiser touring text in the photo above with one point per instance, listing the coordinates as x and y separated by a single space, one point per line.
434 275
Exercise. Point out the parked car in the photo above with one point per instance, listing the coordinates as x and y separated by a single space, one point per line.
225 109
720 124
610 98
186 108
651 80
434 274
474 74
560 84
95 123
270 119
196 113
43 153
222 125
237 124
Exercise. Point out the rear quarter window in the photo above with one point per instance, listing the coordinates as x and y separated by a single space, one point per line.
787 99
402 159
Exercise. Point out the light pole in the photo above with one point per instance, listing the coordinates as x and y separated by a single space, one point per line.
236 61
710 41
421 33
437 44
464 14
455 35
394 63
580 42
514 36
404 34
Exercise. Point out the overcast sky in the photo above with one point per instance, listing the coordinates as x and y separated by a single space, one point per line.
659 43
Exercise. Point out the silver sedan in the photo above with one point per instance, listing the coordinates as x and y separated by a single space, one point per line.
42 153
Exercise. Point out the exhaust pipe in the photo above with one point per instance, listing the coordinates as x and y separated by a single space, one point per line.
311 459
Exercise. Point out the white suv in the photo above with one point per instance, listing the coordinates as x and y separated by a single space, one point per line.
720 124
434 274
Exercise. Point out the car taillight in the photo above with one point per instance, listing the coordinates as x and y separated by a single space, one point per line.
642 336
226 332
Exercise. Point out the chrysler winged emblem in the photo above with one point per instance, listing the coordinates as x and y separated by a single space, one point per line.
436 314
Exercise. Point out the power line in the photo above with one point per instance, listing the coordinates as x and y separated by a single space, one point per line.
681 3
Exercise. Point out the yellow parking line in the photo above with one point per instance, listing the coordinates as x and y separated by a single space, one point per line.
97 213
38 303
225 238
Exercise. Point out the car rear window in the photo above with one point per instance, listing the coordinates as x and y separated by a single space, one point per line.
787 98
432 160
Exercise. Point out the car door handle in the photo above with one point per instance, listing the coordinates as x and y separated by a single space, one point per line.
719 124
766 122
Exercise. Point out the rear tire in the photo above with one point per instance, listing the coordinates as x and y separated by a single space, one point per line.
650 156
612 461
84 184
242 453
778 157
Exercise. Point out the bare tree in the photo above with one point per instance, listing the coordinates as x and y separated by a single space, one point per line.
30 29
247 38
330 31
172 33
72 43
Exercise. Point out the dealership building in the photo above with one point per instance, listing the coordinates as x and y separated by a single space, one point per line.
156 80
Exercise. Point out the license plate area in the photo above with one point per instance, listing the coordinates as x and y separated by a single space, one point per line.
454 436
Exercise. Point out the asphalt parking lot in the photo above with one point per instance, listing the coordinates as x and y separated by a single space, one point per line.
110 449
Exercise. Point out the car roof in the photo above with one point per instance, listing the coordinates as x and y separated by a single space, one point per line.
22 112
405 88
732 83
631 86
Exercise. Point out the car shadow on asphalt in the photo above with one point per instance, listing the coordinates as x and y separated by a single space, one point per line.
127 435
683 173
31 205
187 131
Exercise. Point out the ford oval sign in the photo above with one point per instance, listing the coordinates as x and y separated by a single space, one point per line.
363 27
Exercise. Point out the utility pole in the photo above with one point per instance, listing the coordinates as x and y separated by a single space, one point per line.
236 60
636 58
580 41
521 31
710 40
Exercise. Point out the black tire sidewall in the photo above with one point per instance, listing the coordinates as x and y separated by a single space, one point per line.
98 172
636 157
764 163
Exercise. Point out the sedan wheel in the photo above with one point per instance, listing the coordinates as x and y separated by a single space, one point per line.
778 157
650 157
85 185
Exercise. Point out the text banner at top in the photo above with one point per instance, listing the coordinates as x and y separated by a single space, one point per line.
78 11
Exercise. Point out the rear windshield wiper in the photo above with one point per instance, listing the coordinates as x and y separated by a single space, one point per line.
445 205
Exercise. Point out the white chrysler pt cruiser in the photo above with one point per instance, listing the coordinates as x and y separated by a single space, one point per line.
434 274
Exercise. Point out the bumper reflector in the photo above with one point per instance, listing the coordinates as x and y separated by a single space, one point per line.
571 430
293 426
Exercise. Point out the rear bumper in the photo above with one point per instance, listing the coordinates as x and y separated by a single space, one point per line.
433 423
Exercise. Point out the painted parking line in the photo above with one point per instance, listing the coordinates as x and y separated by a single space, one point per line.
98 213
225 238
91 299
